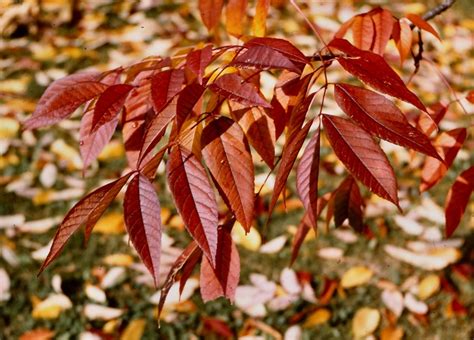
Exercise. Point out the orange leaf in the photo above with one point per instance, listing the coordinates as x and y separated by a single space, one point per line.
235 16
422 24
210 12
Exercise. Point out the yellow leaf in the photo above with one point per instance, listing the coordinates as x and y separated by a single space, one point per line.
50 312
111 223
318 317
176 222
451 255
165 214
111 326
113 150
43 197
391 333
134 330
250 241
17 86
123 260
51 307
67 154
365 322
260 19
43 52
428 286
8 127
356 276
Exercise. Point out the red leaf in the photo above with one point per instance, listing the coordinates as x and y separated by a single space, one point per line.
138 106
299 111
263 57
191 251
227 155
235 17
164 86
259 130
380 117
422 24
210 12
109 104
470 96
223 280
301 232
187 100
383 24
374 70
194 199
217 327
188 268
87 211
150 167
63 97
156 128
280 45
91 144
363 31
348 204
290 151
307 175
458 199
448 145
198 60
233 87
143 221
364 158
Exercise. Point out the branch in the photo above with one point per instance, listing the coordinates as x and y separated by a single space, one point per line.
432 13
438 9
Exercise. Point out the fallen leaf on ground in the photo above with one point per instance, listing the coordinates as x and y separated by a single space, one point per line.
356 276
365 322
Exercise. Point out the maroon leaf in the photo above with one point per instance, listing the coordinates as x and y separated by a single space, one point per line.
233 87
227 155
187 100
263 57
109 104
348 204
299 111
279 45
87 211
138 107
380 117
63 97
217 327
288 157
458 199
301 232
156 128
188 268
307 175
191 251
448 145
164 86
150 167
364 158
198 60
374 70
143 221
210 12
259 130
91 144
194 199
224 278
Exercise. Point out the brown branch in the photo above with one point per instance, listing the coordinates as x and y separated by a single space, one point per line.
438 9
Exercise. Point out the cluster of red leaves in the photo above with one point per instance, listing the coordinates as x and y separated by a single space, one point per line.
208 112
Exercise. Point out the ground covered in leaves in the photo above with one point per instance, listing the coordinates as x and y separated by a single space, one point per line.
400 279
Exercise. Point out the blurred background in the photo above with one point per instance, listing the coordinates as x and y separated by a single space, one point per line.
401 279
